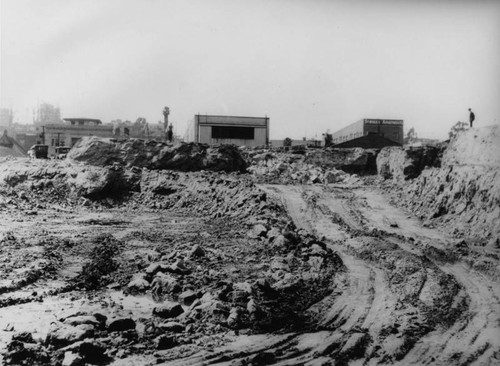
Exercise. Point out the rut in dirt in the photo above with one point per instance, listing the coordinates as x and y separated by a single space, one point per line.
413 308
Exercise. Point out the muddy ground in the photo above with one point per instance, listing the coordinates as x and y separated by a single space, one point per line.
216 268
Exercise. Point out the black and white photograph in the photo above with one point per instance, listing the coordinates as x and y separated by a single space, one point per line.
249 182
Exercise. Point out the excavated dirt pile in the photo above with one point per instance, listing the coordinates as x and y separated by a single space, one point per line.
310 166
113 169
463 195
352 160
282 168
157 155
400 163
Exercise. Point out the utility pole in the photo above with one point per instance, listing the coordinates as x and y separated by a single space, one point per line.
42 135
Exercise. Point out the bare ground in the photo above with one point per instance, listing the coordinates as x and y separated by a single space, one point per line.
354 280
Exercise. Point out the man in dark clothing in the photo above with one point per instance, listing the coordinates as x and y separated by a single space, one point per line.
471 117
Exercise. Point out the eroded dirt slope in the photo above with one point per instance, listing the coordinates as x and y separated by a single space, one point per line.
463 195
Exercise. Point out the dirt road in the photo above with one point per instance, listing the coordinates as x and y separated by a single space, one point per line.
371 302
393 305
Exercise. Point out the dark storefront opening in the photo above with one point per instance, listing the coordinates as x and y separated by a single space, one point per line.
226 132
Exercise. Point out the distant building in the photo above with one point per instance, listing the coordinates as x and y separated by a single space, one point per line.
10 147
370 141
303 142
72 130
391 129
6 117
6 120
46 114
241 131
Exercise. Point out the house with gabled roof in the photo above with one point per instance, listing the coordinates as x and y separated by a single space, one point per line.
10 147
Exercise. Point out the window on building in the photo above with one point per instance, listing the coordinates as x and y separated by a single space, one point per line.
240 133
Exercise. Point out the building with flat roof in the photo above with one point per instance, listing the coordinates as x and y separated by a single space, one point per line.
72 130
241 131
391 129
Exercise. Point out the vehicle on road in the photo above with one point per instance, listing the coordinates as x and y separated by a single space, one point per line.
38 151
62 152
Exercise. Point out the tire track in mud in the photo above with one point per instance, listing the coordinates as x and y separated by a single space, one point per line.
366 302
472 337
347 318
364 320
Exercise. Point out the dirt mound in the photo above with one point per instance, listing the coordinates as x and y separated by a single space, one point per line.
30 184
310 166
475 147
157 155
407 163
463 195
283 168
353 160
38 184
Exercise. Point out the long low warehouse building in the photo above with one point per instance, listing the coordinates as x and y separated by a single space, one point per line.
241 131
391 129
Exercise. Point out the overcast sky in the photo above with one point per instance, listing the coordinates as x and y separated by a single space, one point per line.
310 66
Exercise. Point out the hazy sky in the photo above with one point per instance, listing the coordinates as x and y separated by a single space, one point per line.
310 66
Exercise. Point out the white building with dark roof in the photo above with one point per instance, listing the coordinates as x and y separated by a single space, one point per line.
241 131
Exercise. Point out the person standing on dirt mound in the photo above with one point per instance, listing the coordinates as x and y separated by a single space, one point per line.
472 117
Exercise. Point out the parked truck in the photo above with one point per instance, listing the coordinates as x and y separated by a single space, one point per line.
38 151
